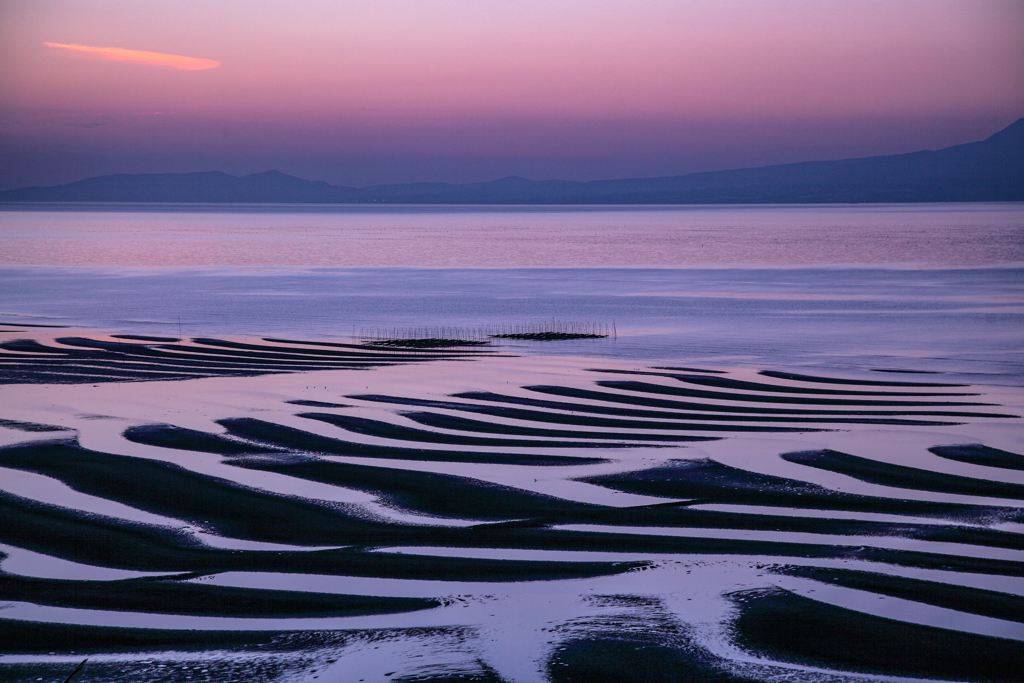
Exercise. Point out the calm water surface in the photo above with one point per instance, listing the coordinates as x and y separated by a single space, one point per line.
933 287
930 235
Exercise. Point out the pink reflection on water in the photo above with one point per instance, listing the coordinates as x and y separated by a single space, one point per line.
921 235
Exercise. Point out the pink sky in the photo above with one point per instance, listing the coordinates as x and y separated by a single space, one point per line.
396 90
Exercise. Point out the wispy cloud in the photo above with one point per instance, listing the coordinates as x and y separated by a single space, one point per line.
120 54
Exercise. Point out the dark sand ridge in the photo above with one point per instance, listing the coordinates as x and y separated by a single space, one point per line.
904 371
210 351
388 430
441 495
365 347
511 519
166 489
442 421
20 426
646 387
84 360
706 481
112 543
32 638
172 437
240 512
179 438
243 656
838 380
388 482
236 511
887 474
712 413
703 370
584 421
244 513
265 350
166 595
279 436
42 638
789 627
634 399
745 385
638 638
631 657
458 497
89 539
317 404
171 352
987 603
977 454
142 337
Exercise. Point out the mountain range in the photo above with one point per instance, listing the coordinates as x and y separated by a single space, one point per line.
989 170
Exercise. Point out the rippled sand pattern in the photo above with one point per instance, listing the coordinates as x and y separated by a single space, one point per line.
242 510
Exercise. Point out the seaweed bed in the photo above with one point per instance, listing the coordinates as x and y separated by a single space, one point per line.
456 528
429 343
549 336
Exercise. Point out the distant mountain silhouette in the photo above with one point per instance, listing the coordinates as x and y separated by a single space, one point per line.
990 170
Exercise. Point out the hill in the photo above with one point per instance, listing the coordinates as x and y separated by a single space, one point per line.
989 170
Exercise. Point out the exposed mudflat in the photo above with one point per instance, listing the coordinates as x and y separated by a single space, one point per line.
179 509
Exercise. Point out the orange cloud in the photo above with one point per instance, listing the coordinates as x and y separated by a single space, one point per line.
119 54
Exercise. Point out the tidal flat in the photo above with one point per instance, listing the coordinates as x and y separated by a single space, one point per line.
267 509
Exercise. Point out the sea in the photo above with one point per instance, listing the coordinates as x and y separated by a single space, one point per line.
931 287
789 448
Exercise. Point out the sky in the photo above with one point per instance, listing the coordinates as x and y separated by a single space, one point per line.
366 92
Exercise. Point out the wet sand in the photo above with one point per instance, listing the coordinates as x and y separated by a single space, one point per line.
284 509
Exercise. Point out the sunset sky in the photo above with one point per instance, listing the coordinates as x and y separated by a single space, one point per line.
375 91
